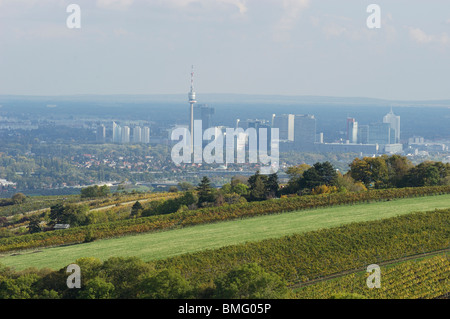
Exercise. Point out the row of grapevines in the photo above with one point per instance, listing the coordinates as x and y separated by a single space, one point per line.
310 256
426 278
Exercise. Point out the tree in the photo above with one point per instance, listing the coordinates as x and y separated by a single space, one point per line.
185 186
18 288
398 166
319 174
34 225
18 198
234 198
239 179
373 172
250 281
103 191
136 209
296 172
173 189
327 173
226 188
257 189
206 193
295 175
56 214
97 288
166 284
240 189
347 183
125 273
272 185
75 215
188 199
427 174
95 191
360 171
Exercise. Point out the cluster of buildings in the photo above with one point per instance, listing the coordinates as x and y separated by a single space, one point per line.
418 146
298 132
124 134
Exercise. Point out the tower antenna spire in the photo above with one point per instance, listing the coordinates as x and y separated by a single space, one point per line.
192 79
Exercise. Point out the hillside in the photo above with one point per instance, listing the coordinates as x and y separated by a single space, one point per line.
161 245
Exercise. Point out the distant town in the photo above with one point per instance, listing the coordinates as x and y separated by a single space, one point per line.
52 148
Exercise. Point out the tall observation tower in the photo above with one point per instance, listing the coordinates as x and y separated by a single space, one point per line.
192 101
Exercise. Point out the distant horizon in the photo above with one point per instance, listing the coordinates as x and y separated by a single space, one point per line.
223 96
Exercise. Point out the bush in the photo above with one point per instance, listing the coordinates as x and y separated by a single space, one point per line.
97 288
18 198
95 191
166 284
250 281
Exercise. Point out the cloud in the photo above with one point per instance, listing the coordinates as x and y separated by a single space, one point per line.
333 30
239 4
124 4
291 12
422 37
114 4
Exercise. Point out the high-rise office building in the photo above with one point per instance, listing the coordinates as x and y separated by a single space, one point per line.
394 122
261 124
137 134
255 124
101 134
304 131
363 134
352 130
117 133
205 113
285 125
125 134
381 133
145 135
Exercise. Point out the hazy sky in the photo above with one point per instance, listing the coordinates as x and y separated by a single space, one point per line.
292 47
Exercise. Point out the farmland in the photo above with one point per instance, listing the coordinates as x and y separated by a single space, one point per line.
165 244
420 278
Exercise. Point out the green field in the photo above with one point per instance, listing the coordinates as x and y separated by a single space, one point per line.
165 244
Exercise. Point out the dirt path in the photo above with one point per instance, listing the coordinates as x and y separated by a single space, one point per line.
123 204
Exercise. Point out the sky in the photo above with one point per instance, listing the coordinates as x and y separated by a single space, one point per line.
273 47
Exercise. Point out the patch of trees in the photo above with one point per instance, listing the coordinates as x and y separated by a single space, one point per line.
95 191
369 172
321 178
73 214
131 278
397 171
16 199
167 206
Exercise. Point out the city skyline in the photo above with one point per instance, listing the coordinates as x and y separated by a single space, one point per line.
299 48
